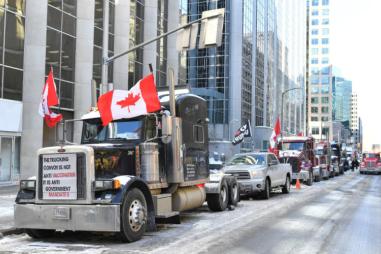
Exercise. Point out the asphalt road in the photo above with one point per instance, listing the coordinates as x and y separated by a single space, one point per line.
344 220
341 215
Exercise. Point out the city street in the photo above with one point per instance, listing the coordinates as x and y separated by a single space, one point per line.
336 216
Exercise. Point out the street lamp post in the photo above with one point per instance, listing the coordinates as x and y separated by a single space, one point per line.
281 111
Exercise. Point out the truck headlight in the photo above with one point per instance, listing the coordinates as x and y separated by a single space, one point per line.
100 185
28 185
257 174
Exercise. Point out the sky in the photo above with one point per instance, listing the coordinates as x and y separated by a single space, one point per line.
356 51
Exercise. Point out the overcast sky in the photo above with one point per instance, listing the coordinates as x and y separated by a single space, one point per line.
356 50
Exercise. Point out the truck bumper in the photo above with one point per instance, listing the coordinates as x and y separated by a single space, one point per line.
370 170
252 185
302 175
68 217
316 171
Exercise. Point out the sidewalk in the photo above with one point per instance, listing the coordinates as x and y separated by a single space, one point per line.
7 200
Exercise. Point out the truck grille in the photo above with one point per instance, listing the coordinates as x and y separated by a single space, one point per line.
81 176
370 164
240 175
293 161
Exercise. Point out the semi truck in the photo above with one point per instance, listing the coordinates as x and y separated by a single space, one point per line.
126 176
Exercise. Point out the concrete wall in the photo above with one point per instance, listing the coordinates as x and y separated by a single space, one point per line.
33 81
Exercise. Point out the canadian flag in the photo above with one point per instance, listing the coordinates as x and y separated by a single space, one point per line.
274 135
49 98
139 100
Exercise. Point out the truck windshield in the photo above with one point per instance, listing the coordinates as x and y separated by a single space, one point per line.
319 151
252 159
299 146
95 132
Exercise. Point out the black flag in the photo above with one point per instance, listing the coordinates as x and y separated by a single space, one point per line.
244 131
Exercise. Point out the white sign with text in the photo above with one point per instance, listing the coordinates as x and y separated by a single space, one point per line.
59 176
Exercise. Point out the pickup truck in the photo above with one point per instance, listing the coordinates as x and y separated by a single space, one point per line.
259 173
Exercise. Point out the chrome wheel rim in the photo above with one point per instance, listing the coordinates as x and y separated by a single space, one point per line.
223 194
136 215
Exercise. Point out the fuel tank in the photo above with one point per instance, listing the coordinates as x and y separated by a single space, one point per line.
187 198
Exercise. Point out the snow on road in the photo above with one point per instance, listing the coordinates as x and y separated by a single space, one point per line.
198 229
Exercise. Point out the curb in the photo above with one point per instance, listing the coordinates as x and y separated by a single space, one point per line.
10 231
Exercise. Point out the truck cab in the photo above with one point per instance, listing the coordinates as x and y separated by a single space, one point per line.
370 164
125 176
323 156
336 159
299 152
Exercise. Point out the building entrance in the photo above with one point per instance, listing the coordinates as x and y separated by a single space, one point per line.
9 158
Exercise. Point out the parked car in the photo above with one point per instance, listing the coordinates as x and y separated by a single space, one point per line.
370 163
259 173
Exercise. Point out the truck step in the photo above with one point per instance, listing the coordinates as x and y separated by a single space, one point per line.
168 218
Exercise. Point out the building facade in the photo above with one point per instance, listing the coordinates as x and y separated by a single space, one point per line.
355 121
243 79
341 99
66 36
320 71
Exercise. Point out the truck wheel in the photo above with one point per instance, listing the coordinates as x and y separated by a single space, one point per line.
234 193
219 202
133 216
310 179
266 191
286 187
40 233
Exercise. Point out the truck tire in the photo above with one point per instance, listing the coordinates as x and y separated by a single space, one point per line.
234 192
286 187
310 179
266 192
40 233
219 202
133 216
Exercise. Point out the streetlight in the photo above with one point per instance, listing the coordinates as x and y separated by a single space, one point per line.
281 112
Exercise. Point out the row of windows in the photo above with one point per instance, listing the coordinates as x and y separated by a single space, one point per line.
316 119
324 12
323 90
315 100
315 51
324 41
324 110
324 21
316 131
317 2
317 71
324 60
324 31
319 80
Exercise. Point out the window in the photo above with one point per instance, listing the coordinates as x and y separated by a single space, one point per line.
314 119
198 134
315 22
12 31
315 12
314 51
315 31
324 41
324 110
325 100
315 41
315 131
325 79
314 80
325 89
325 31
314 100
325 70
325 21
324 118
314 90
314 70
325 60
315 2
325 2
314 61
324 51
325 12
314 110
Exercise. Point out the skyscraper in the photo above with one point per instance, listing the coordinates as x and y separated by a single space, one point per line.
320 71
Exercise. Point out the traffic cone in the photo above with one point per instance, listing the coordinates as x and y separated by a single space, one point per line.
297 185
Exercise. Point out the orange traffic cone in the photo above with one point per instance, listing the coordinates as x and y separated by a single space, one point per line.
297 185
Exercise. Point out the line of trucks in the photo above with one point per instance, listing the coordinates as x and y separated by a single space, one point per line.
133 173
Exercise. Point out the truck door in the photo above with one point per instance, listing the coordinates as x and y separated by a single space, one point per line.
274 170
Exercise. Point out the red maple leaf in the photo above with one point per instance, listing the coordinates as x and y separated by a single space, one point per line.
130 100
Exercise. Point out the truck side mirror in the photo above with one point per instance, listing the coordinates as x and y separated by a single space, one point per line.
166 129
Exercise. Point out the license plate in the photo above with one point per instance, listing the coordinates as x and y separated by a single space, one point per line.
62 213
